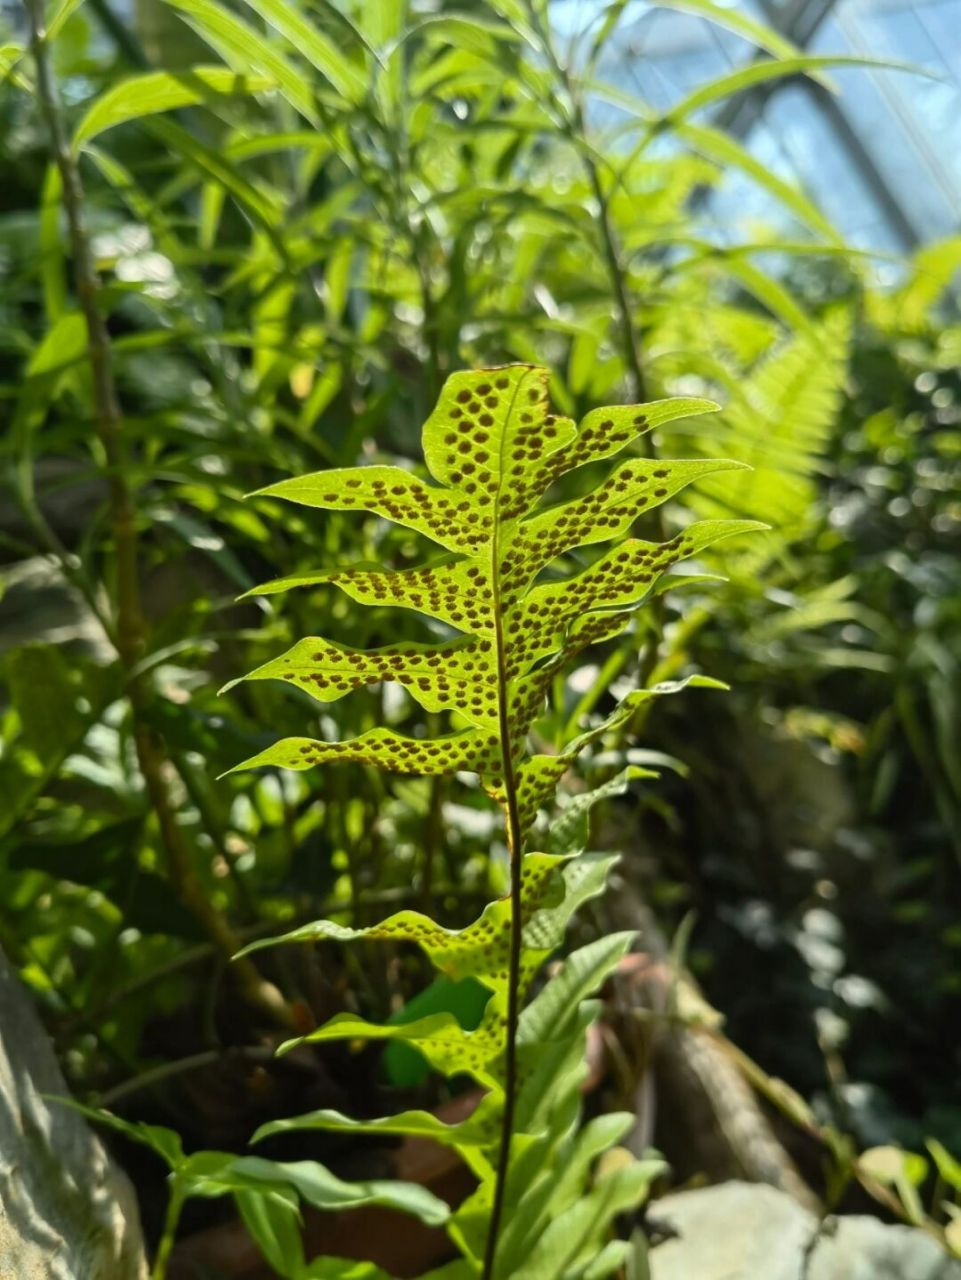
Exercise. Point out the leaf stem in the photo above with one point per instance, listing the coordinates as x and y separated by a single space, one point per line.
171 1219
130 637
515 839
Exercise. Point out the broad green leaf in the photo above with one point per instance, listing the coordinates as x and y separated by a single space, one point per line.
905 1171
582 973
891 1164
12 58
343 1269
63 344
609 1262
274 1221
157 91
568 1237
564 1173
461 1269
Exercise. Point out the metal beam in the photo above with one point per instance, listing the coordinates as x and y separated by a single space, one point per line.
799 21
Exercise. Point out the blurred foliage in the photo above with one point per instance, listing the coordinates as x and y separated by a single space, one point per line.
300 234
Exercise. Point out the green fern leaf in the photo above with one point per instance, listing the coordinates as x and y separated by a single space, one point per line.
493 449
522 596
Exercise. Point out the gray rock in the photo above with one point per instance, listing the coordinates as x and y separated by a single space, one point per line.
743 1231
66 1211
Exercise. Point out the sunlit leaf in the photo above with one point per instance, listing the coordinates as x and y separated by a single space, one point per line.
158 91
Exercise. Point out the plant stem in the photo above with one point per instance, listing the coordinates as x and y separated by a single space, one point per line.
630 339
172 1217
129 632
577 133
515 844
182 1066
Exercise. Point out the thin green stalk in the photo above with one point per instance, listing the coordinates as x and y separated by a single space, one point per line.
433 839
210 819
171 1220
630 338
577 134
611 669
183 1066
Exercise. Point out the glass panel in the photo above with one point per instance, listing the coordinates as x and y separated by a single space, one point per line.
908 126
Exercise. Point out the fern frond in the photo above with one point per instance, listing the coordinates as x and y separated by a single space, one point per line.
493 449
781 419
513 584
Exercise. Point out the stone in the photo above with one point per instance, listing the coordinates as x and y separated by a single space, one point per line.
745 1231
66 1211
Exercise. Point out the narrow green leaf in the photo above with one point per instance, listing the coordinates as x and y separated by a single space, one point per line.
386 491
324 1190
61 15
246 50
779 300
53 264
421 1124
441 678
158 91
163 1142
471 750
738 21
768 69
262 205
569 830
719 146
317 47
